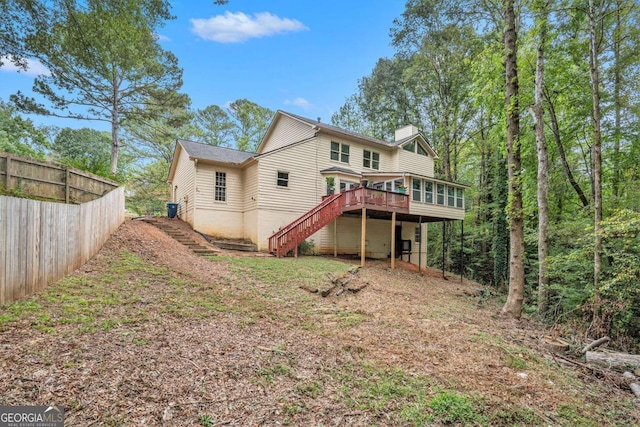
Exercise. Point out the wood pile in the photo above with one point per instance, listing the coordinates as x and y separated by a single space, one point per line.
337 285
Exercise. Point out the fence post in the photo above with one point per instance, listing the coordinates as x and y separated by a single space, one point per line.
66 185
8 174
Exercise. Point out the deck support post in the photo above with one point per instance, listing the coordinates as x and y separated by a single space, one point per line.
335 238
363 238
444 234
393 240
461 250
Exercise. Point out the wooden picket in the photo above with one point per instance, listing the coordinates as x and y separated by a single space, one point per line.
40 241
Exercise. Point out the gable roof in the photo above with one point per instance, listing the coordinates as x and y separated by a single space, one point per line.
197 150
334 130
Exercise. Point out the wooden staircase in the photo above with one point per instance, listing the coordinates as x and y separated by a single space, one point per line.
288 238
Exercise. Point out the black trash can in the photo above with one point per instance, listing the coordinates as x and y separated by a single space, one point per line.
172 210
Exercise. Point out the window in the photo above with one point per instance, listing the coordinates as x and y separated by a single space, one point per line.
339 152
346 185
371 159
416 190
221 187
422 151
460 197
283 179
428 192
440 195
411 146
451 196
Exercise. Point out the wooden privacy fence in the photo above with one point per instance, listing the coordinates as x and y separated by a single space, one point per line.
41 242
51 181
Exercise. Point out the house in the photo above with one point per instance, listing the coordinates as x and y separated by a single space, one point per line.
312 181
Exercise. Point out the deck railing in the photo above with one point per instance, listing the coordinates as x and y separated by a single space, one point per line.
370 197
331 207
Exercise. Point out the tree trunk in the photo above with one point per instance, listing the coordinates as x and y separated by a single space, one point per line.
555 127
543 165
596 148
513 305
617 82
115 141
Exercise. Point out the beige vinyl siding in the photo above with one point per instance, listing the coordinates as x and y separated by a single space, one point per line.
378 238
435 210
417 250
306 184
406 161
356 155
250 214
184 179
219 218
288 130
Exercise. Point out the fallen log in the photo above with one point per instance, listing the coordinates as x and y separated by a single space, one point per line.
326 292
309 289
618 361
595 344
635 388
357 289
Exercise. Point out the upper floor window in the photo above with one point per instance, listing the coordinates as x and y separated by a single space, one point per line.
459 197
221 187
451 196
339 152
410 146
416 189
371 159
422 151
440 194
283 179
428 192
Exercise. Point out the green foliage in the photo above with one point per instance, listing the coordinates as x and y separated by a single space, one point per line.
619 289
206 420
88 150
616 301
251 123
19 136
452 408
104 62
307 247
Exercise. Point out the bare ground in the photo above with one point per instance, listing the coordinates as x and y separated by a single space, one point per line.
243 352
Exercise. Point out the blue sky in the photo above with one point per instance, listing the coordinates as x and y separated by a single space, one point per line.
302 56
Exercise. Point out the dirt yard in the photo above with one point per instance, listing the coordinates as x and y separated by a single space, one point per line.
147 333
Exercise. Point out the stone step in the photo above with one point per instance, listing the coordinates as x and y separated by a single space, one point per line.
246 247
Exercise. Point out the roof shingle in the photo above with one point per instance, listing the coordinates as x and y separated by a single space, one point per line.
211 152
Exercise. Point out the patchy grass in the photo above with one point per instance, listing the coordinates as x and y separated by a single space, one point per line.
251 347
130 292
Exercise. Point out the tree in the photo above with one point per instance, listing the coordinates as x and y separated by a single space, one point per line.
537 112
250 123
85 149
216 128
19 136
595 20
19 19
515 298
105 64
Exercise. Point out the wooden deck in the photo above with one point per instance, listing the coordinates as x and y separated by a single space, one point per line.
376 200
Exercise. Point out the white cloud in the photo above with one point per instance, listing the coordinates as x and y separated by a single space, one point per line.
299 102
238 27
34 67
